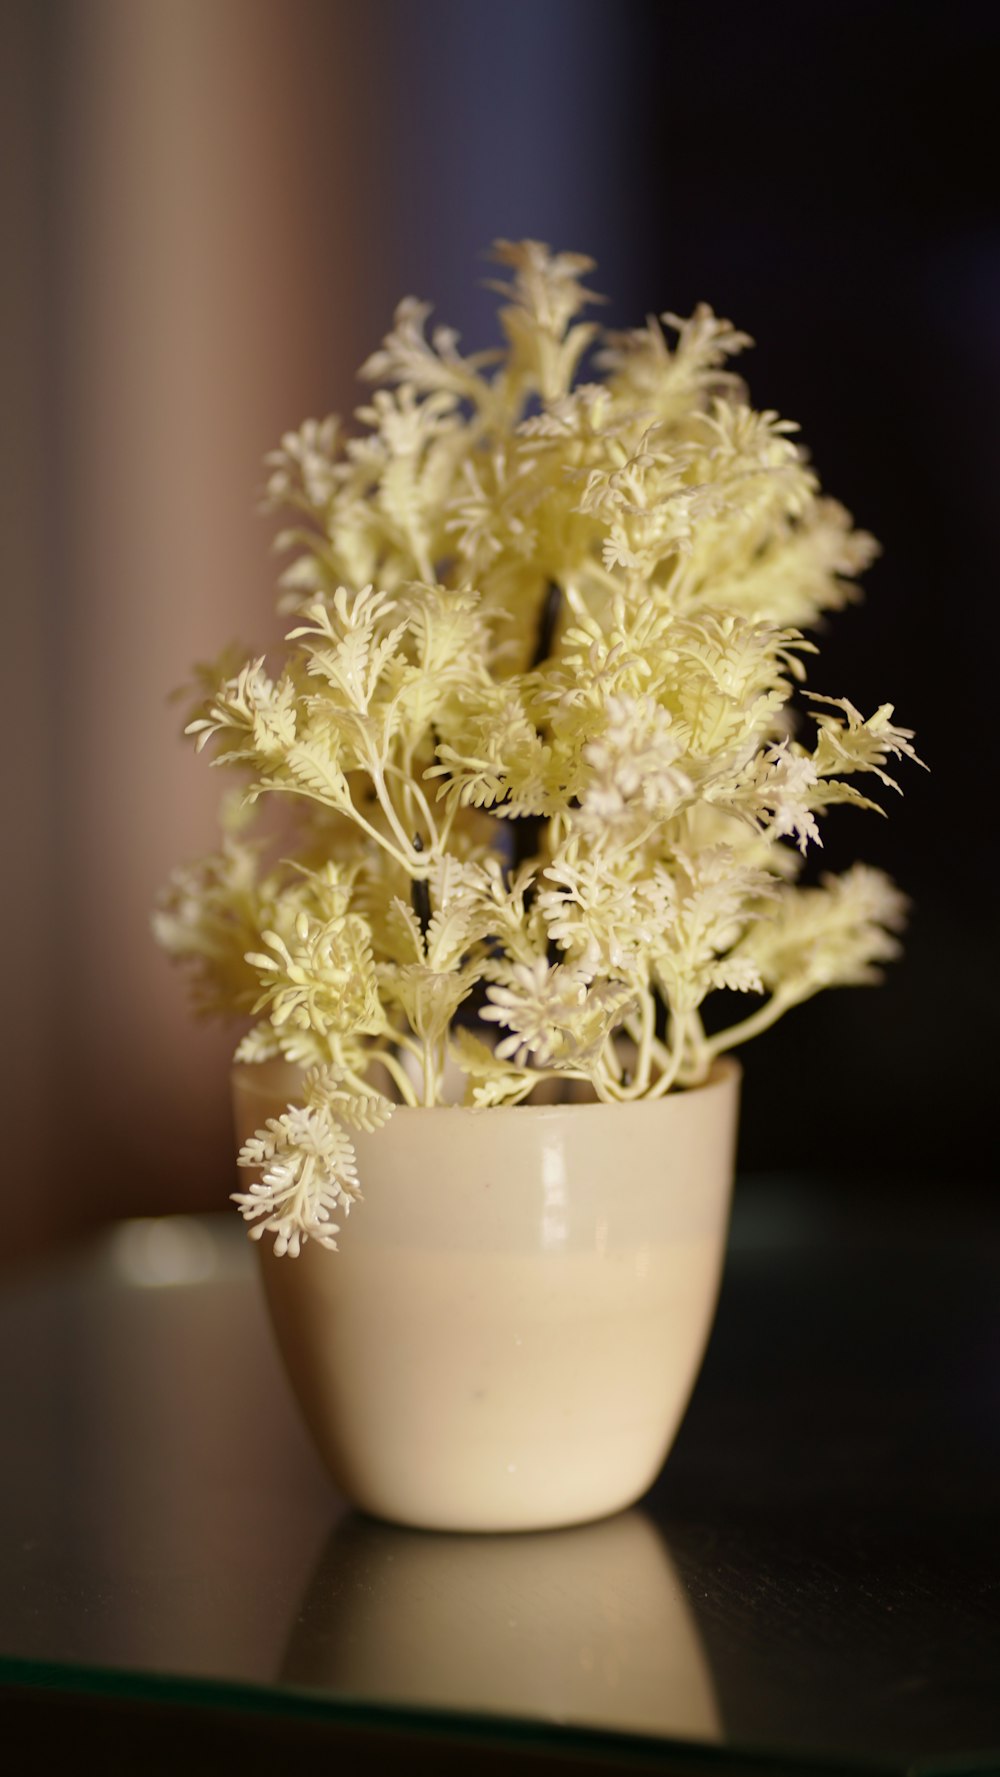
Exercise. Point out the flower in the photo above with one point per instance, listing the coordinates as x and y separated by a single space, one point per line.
554 1012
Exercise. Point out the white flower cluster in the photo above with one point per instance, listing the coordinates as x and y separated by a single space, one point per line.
532 733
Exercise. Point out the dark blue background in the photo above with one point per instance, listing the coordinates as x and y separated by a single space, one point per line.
822 175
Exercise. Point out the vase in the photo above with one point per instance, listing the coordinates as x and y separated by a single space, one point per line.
510 1330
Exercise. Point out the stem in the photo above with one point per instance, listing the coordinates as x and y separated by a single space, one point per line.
604 1087
668 1076
380 839
644 1050
611 1064
699 1061
749 1027
444 831
412 788
404 1039
432 1073
576 603
413 865
397 1073
353 814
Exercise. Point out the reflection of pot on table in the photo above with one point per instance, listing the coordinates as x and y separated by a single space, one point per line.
509 1334
588 1626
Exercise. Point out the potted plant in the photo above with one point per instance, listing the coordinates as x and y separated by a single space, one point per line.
522 813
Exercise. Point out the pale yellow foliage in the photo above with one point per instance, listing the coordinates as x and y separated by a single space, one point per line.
533 734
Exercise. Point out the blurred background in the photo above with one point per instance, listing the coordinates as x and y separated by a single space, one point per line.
209 210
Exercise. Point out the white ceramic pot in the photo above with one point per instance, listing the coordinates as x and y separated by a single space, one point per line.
510 1331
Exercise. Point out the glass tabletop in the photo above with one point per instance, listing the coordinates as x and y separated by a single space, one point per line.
811 1584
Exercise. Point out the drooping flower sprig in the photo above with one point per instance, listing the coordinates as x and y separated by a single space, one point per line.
532 733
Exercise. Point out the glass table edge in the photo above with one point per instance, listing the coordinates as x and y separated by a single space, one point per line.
563 1739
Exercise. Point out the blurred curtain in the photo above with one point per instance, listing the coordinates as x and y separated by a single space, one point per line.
178 297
